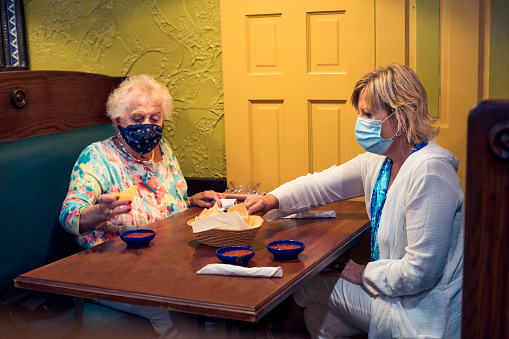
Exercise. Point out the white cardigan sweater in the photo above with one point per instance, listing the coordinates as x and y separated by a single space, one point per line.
416 285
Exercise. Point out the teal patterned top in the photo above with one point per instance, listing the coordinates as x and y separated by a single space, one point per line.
378 200
103 168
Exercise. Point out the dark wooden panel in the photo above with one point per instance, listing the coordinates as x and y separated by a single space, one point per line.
54 101
486 273
197 185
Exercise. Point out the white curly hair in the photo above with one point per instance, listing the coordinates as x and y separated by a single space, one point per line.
135 86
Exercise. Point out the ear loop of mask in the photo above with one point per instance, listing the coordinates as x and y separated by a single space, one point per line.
388 117
398 131
118 127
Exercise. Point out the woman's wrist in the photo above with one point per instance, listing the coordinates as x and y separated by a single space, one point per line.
90 218
190 202
272 201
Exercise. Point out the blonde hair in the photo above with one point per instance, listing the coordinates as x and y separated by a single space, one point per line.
134 87
397 89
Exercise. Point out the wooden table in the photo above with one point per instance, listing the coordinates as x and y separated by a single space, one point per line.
164 275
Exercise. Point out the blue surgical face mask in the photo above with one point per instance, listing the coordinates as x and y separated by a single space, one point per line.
142 138
367 133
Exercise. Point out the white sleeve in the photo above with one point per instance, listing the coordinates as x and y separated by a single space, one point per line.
319 189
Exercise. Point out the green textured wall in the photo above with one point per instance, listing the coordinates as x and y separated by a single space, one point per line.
176 41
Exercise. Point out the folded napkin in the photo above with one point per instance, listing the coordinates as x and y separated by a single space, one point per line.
312 214
225 269
227 203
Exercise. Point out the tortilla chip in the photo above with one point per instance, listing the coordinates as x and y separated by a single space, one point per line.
255 221
240 208
203 214
128 193
209 211
213 210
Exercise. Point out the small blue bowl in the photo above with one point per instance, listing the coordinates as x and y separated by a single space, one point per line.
137 238
285 254
240 260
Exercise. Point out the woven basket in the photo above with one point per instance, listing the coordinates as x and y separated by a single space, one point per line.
222 238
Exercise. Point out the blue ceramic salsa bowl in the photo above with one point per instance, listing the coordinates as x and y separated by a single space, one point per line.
235 255
285 249
137 238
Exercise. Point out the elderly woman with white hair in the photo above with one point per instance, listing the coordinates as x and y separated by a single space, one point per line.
135 156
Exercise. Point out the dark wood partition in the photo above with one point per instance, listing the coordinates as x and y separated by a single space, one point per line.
40 102
486 261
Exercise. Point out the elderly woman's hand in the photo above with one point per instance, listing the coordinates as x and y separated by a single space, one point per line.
261 204
107 209
110 207
206 199
348 270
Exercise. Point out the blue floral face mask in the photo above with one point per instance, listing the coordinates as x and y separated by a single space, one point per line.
142 138
367 133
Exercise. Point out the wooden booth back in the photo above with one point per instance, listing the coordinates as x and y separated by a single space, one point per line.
48 118
486 261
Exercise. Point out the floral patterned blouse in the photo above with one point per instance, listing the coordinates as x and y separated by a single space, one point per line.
103 168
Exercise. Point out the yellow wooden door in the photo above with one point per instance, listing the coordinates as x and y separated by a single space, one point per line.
289 70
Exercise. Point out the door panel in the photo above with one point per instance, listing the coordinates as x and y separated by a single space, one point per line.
264 44
326 42
289 69
267 125
325 132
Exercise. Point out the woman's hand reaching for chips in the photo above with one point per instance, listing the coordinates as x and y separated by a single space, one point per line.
206 199
261 204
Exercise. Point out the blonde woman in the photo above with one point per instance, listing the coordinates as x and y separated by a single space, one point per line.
412 286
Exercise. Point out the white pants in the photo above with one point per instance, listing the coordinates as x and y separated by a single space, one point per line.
167 324
334 307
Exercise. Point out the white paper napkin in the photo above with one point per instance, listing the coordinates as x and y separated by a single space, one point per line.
257 272
312 215
225 220
227 203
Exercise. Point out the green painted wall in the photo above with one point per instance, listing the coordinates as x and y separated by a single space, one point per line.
176 41
499 50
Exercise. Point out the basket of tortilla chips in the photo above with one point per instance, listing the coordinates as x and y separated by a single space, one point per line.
232 228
